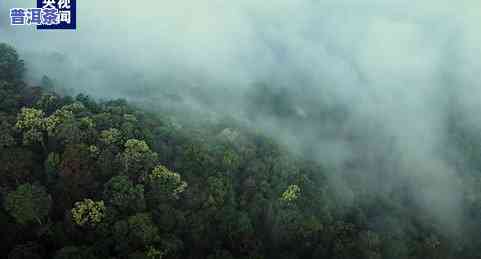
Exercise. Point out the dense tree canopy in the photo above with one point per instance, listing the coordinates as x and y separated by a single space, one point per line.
28 203
87 179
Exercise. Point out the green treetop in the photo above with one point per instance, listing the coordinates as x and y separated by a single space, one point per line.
28 203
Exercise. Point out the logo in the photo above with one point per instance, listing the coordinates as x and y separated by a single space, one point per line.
49 15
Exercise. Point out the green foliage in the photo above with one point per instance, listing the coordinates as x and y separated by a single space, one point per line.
17 167
74 108
123 195
138 159
248 196
6 135
28 203
32 122
136 148
11 66
57 118
217 190
142 229
111 136
229 160
11 74
48 103
52 164
61 124
88 212
30 118
154 253
136 232
165 183
291 194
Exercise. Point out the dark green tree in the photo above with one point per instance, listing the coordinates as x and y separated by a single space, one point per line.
28 203
11 66
123 195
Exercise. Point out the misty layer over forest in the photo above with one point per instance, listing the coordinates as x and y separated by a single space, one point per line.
252 129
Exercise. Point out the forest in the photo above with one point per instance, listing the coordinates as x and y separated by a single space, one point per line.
88 178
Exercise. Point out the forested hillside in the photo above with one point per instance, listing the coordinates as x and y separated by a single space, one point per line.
81 178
